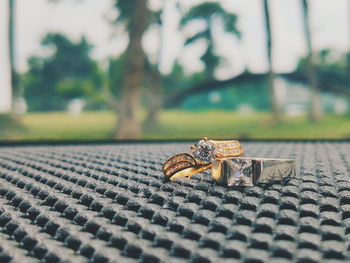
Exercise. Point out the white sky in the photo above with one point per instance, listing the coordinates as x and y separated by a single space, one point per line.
330 23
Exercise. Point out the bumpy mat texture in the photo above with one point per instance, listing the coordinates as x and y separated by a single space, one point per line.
109 203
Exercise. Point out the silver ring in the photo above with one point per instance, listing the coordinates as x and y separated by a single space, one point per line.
250 171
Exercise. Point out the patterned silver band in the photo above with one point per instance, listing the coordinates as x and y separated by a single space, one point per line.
250 171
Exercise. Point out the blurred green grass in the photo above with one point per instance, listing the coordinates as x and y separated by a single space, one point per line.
177 124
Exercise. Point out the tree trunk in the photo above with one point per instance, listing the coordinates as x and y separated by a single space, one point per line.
155 96
5 71
348 53
315 109
275 105
11 37
155 91
128 126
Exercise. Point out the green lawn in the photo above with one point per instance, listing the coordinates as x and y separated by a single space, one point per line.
177 124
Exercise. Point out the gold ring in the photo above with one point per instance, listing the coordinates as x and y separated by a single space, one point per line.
200 157
207 150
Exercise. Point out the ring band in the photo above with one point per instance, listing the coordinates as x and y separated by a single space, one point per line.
206 150
250 171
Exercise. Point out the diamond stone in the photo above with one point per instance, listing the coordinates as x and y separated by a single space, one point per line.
233 172
203 150
240 173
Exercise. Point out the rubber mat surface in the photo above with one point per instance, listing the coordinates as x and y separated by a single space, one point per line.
108 203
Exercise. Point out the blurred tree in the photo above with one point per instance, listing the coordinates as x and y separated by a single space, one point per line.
16 93
172 85
67 73
136 16
114 76
315 110
5 72
154 77
154 96
331 70
209 14
275 105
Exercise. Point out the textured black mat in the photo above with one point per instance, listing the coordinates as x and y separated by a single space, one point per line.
105 203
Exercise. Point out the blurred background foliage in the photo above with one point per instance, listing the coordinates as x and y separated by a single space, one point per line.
67 94
68 72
